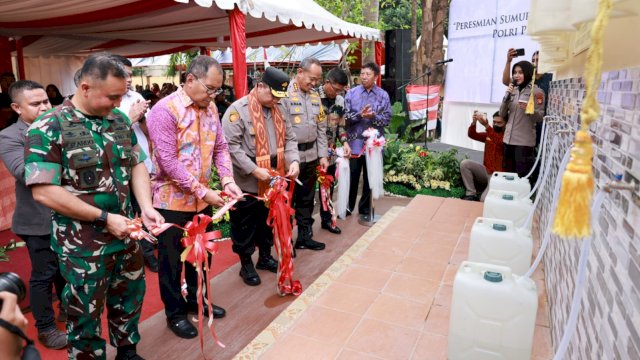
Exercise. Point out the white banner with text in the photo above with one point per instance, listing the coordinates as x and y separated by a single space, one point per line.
480 33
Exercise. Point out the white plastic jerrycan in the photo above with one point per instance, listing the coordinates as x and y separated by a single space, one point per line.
509 182
507 205
498 242
493 314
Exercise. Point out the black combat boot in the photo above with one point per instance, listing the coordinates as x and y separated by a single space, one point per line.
248 272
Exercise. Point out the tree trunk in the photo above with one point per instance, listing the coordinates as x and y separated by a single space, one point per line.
370 13
439 13
424 53
414 32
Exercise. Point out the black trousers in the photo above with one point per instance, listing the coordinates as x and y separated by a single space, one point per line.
325 215
147 247
358 166
45 274
170 266
303 199
249 228
520 159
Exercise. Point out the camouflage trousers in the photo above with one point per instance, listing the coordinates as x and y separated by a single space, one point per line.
116 280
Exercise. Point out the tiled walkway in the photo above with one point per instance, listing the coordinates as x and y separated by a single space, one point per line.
387 297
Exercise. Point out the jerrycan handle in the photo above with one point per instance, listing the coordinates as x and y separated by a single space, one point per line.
509 177
507 197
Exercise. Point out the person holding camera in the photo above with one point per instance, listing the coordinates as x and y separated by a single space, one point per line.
31 220
82 161
520 131
10 342
13 324
475 176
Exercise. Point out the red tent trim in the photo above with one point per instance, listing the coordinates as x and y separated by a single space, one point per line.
111 13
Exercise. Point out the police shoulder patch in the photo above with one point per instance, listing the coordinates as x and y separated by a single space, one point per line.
539 98
234 116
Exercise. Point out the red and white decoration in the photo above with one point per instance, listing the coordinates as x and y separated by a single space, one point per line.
422 100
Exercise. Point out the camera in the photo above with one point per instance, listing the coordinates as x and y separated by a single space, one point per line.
520 52
12 283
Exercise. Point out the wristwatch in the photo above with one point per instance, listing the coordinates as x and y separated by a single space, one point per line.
102 219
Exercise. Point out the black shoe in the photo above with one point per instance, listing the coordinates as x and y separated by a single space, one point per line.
152 263
218 312
471 197
182 328
129 356
128 352
348 212
267 263
364 212
309 244
248 273
334 229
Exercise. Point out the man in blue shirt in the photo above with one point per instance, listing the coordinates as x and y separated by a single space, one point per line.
367 106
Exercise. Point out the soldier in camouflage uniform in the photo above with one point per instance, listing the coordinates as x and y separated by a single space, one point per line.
331 95
80 161
309 121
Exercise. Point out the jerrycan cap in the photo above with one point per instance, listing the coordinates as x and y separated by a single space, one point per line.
507 197
509 177
500 227
493 276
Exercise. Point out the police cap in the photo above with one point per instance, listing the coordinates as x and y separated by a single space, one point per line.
277 80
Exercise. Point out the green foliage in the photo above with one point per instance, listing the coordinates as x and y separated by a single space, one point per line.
398 119
224 225
12 245
418 168
450 165
402 190
396 14
179 59
392 14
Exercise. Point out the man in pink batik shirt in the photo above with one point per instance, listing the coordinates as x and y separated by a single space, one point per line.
186 141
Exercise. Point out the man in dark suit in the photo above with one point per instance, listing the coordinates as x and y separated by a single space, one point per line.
31 220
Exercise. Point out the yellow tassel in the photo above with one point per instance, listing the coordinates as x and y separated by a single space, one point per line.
530 105
573 216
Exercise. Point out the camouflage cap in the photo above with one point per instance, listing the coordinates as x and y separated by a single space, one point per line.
277 80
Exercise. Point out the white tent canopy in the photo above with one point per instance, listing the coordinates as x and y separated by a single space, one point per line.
142 28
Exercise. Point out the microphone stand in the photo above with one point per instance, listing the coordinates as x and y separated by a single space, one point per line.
426 122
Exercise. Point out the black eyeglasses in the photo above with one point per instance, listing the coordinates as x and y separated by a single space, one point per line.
338 91
210 90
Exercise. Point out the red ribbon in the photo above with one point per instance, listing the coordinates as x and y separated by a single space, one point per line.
325 181
137 233
198 243
278 200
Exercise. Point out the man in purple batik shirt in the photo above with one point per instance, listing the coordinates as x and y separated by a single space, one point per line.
367 106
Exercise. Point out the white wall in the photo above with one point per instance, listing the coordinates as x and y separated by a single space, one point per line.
456 119
57 70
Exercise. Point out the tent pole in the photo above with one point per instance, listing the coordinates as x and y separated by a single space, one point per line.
20 54
238 51
378 57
